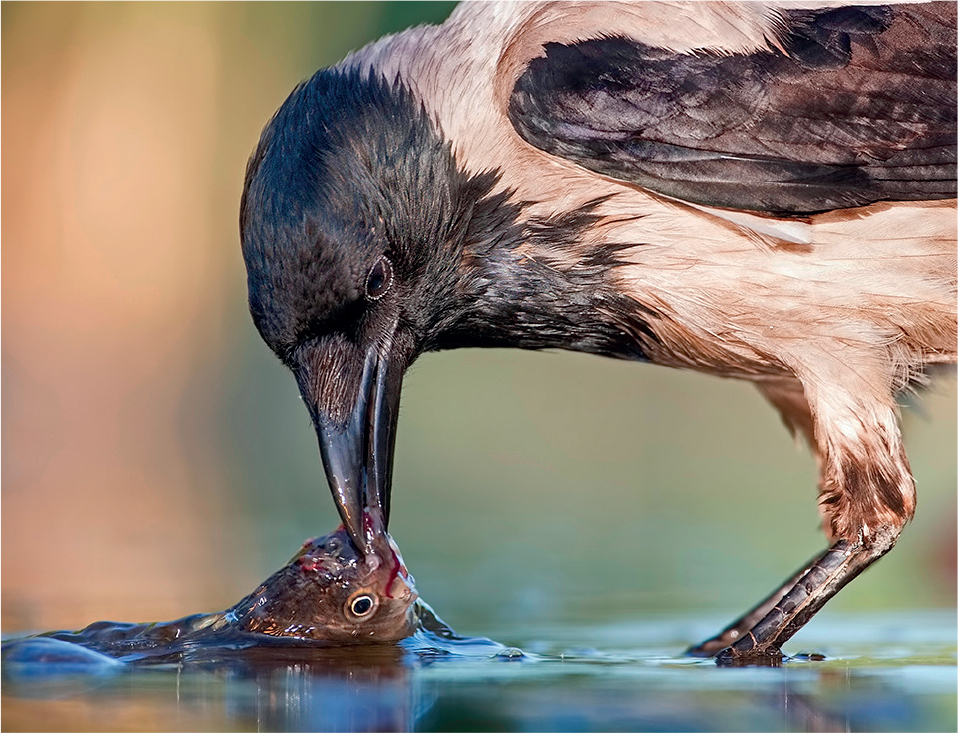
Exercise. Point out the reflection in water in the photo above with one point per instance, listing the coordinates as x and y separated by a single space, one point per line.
345 688
272 688
434 680
275 684
391 687
802 713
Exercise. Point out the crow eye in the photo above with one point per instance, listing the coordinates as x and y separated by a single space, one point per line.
379 279
361 605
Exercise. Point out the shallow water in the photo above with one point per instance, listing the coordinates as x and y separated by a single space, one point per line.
888 672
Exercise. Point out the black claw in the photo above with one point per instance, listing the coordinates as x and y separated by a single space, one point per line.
699 652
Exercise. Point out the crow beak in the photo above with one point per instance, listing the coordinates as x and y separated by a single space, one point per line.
356 439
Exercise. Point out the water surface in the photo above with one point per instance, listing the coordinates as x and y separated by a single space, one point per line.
881 673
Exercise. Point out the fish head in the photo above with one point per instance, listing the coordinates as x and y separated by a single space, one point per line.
331 591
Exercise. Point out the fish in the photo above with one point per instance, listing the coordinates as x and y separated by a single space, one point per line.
328 594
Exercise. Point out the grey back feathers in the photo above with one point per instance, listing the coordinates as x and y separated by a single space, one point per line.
857 106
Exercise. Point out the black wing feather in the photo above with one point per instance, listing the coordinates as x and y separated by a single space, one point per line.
860 107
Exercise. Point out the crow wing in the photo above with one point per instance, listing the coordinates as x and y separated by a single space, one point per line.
849 106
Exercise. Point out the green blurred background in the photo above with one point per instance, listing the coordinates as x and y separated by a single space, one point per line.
157 460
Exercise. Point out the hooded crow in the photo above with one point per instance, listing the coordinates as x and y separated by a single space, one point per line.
762 191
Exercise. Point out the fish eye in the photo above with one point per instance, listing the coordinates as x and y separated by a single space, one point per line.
361 605
379 279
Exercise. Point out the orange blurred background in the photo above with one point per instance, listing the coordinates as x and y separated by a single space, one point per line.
126 129
116 236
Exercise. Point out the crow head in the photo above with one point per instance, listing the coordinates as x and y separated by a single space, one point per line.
354 222
366 245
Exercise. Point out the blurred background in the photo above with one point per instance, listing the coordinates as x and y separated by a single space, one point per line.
157 460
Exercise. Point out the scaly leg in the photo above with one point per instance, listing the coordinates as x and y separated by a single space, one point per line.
734 631
866 496
829 574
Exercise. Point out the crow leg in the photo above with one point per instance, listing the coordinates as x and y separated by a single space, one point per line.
831 572
866 491
734 631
